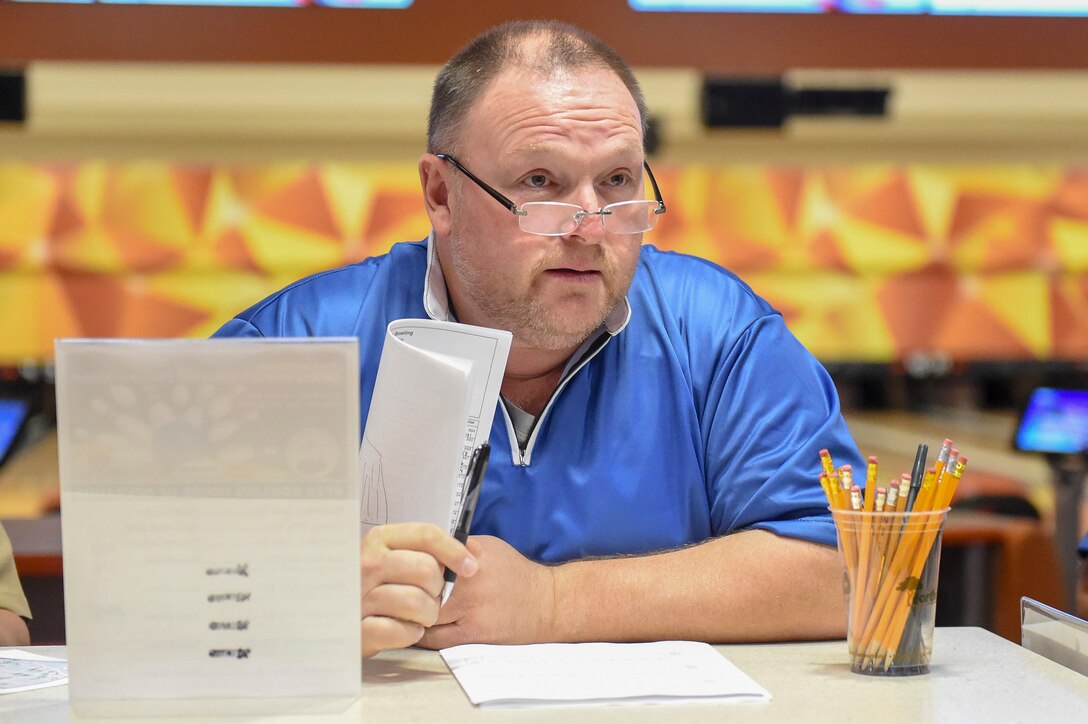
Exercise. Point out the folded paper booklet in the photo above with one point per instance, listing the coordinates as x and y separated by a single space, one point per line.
210 529
433 404
599 673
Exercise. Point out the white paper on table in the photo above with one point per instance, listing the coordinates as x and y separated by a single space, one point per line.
434 401
598 673
23 671
210 527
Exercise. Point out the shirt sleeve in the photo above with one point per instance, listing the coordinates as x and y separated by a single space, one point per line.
238 328
11 592
771 407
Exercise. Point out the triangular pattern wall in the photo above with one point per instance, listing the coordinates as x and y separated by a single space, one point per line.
867 263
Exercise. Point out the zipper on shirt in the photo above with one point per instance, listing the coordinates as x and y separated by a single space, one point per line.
523 458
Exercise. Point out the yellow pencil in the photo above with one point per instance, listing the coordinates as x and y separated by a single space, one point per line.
925 497
885 560
872 564
899 621
890 592
825 460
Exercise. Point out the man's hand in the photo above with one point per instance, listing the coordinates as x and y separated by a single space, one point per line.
510 600
402 567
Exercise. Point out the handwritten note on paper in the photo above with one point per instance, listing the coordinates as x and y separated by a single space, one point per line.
210 495
598 673
23 671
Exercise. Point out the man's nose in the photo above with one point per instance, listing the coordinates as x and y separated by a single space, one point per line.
589 227
585 195
590 224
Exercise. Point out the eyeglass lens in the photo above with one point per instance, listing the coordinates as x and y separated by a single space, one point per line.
555 219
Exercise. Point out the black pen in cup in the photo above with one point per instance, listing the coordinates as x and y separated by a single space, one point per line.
917 474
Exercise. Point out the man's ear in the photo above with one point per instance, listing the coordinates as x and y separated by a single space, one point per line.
434 175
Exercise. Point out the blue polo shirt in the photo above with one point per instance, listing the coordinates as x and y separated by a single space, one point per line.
700 415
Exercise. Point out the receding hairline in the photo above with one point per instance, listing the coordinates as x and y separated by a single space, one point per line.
541 48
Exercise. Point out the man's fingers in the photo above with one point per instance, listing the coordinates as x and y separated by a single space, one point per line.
411 568
380 633
402 579
444 636
427 538
405 603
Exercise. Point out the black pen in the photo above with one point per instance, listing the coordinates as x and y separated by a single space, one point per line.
917 474
474 477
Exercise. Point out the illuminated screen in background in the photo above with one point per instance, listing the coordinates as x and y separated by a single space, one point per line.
1068 8
12 415
1054 421
383 4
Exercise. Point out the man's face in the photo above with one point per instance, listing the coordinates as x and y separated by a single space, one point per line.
575 137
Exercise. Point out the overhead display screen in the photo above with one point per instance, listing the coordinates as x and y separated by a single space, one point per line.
1068 8
384 4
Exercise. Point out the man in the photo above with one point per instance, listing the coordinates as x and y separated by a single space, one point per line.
13 605
654 463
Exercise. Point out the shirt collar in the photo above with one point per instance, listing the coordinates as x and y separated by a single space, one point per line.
436 298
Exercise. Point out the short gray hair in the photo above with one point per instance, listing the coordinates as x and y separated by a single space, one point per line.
554 46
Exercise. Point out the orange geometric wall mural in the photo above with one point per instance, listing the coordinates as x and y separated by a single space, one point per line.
867 263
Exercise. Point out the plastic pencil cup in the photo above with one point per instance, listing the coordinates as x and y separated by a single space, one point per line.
890 563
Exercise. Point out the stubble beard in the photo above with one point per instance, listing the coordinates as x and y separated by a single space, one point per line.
532 322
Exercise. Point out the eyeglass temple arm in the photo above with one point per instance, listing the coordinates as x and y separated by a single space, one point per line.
514 207
490 191
657 192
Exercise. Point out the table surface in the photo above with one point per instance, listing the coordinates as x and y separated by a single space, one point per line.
976 676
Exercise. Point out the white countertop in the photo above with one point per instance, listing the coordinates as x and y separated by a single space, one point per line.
976 676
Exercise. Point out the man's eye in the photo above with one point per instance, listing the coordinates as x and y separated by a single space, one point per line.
619 179
537 180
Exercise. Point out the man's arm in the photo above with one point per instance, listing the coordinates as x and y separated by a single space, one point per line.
13 630
749 586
